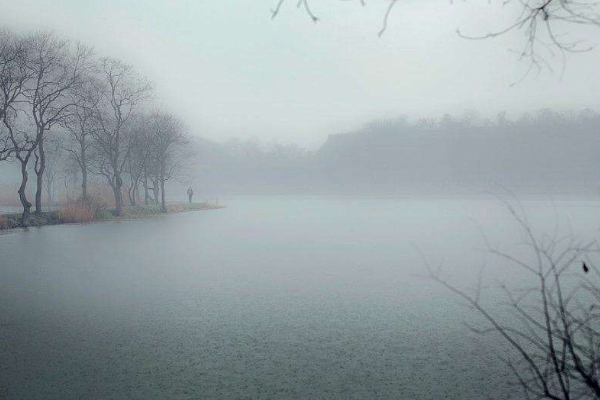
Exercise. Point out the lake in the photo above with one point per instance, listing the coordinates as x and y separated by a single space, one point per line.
269 298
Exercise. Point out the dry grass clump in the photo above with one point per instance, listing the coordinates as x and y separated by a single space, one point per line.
76 212
4 223
10 221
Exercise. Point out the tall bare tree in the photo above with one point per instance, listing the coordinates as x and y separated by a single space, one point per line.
12 80
167 138
55 70
121 92
150 182
54 164
139 157
23 146
79 125
16 141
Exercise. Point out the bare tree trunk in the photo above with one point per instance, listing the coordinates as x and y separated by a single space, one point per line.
133 190
40 166
146 194
162 190
155 189
50 191
84 171
136 192
131 194
22 195
118 195
84 194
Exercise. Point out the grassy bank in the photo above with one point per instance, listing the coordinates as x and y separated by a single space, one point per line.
74 213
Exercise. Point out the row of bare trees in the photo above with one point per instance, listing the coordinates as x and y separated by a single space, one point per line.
97 108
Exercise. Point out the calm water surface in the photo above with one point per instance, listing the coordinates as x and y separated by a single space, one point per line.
269 298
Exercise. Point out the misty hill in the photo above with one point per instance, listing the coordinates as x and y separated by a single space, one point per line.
545 152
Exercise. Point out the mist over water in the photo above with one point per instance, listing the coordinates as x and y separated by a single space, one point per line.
279 200
278 297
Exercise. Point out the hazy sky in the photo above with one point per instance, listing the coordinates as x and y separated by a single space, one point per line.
230 71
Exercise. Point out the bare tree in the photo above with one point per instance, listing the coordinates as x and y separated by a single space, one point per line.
167 138
553 324
69 172
121 91
15 141
139 157
150 182
79 125
23 146
54 148
55 71
13 77
5 147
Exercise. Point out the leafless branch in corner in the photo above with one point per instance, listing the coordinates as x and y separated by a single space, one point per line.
553 325
539 20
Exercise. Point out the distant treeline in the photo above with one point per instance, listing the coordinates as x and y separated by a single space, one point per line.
545 152
541 152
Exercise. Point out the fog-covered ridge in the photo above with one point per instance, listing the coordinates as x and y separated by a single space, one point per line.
543 152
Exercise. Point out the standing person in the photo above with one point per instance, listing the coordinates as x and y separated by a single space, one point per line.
190 194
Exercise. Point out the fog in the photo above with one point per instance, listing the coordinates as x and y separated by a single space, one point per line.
304 199
232 72
545 153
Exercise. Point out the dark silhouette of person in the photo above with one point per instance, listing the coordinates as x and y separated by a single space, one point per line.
586 269
190 194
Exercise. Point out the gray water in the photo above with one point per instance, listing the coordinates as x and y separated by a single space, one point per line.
18 209
10 209
269 298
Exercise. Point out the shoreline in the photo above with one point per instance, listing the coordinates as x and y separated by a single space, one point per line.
12 221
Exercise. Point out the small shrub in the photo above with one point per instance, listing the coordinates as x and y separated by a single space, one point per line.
103 215
96 204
